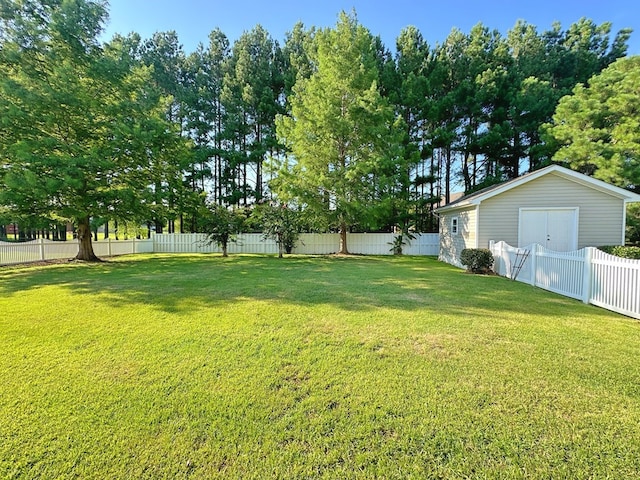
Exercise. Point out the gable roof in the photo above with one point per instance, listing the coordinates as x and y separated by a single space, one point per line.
478 197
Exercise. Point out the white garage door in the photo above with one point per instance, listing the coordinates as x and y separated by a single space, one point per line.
553 228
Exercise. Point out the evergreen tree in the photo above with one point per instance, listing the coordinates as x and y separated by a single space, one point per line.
413 98
252 97
164 53
340 132
77 128
298 47
596 127
206 112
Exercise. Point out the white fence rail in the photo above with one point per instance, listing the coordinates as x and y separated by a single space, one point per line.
309 243
42 249
589 274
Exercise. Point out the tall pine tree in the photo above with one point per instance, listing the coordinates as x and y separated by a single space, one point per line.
340 132
76 125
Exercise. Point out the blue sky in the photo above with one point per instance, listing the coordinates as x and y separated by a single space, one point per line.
194 19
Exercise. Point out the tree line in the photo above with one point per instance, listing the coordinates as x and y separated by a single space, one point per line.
332 121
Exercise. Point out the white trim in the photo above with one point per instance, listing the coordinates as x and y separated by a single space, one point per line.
577 226
455 230
477 226
624 222
597 184
565 173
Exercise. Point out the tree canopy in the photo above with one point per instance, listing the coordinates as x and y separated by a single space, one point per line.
79 127
369 138
597 127
340 132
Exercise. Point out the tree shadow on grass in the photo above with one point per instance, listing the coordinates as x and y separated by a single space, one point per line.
189 283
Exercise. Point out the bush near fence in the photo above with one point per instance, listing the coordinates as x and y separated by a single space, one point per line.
589 274
622 251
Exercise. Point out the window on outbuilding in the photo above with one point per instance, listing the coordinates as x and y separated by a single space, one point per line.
454 226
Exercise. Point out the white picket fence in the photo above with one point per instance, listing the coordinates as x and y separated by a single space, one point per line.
589 274
42 249
309 243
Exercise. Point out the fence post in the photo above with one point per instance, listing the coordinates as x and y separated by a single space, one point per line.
588 271
492 244
534 263
41 245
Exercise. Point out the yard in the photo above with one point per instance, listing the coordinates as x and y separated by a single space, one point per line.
195 366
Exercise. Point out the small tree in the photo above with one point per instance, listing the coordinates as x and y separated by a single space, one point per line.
399 241
221 224
281 224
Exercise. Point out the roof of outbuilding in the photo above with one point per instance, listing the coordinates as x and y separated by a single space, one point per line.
476 198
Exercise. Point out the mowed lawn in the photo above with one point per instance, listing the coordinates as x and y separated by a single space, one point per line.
196 366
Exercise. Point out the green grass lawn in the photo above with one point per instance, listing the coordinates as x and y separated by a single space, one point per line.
197 366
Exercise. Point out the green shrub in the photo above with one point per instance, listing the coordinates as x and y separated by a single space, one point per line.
477 260
622 251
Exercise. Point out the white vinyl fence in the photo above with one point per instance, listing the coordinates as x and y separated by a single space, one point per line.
589 274
42 249
309 243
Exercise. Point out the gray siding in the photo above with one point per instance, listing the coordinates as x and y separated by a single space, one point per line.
451 245
600 216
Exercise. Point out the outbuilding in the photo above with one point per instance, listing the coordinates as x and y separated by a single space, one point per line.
556 207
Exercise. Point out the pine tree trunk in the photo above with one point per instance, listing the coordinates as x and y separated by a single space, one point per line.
447 177
85 247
